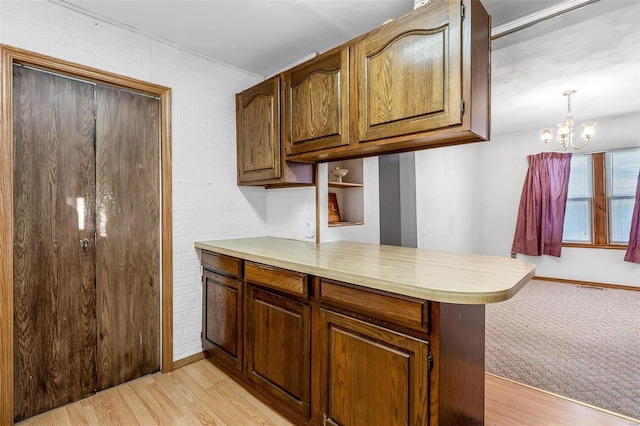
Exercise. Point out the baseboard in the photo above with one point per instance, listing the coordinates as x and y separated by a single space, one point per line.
588 283
190 360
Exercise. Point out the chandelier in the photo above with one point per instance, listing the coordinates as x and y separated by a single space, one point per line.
565 130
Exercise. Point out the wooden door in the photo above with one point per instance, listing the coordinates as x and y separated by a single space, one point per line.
408 73
54 248
258 132
316 104
278 348
127 235
391 388
222 318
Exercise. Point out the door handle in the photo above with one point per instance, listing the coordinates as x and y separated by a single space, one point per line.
84 243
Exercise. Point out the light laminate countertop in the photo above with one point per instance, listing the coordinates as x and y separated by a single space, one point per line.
427 274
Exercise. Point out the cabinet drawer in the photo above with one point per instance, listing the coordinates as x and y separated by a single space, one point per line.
402 310
222 263
278 279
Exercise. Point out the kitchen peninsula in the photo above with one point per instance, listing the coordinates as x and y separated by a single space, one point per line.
350 333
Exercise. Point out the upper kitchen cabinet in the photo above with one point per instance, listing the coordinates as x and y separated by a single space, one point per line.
408 74
316 103
419 81
260 155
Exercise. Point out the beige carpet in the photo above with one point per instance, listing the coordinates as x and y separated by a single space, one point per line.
575 341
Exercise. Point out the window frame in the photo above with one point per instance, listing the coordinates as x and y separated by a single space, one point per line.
599 208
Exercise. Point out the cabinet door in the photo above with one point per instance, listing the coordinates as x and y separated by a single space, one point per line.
278 348
222 334
258 132
409 73
390 388
316 104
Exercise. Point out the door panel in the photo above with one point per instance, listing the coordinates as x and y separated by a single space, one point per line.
222 318
316 104
128 235
278 348
258 132
391 388
409 74
54 276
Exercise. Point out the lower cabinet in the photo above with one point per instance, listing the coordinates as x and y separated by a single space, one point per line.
372 375
222 318
278 348
329 353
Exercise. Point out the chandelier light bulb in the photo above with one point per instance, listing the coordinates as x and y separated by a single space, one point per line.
588 130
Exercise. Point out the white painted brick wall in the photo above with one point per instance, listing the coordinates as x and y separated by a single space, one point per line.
207 204
288 210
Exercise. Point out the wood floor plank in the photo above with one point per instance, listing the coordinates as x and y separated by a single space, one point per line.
160 413
192 396
137 406
508 403
175 411
202 394
246 407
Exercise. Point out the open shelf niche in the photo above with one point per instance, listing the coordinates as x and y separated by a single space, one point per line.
349 193
358 201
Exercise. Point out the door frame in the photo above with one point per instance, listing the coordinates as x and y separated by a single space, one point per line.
8 56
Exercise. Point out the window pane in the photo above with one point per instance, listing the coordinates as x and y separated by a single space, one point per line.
621 210
577 218
622 177
577 221
580 179
622 172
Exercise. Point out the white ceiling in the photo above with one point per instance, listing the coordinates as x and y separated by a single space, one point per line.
595 49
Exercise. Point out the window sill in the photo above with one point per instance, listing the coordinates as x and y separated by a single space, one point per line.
595 246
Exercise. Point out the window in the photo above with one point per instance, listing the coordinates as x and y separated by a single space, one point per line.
602 188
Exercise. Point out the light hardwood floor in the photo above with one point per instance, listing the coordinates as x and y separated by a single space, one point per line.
201 394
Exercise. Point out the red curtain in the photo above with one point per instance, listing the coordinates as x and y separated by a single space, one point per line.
633 249
542 205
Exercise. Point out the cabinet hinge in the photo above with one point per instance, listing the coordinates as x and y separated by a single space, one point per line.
201 335
429 361
461 108
461 12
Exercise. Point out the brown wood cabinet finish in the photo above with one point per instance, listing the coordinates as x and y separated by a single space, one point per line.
225 264
278 279
258 121
373 375
316 103
278 348
409 74
347 355
260 152
222 318
419 81
402 310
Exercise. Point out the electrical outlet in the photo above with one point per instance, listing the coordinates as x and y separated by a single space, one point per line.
310 231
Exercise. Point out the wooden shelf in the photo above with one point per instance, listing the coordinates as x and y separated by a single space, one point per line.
345 185
334 224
